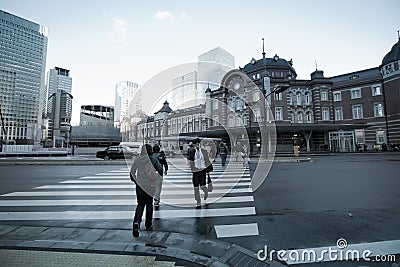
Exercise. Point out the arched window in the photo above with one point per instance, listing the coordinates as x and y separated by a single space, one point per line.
298 98
300 117
309 117
231 121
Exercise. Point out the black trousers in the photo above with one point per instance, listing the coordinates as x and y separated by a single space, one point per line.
144 200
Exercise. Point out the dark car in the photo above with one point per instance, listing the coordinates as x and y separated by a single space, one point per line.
115 152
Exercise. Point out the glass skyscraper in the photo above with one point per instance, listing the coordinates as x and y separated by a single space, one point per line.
23 49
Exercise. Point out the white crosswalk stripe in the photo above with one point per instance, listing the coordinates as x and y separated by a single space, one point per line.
72 199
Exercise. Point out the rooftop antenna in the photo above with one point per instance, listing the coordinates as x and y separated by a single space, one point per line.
263 53
316 66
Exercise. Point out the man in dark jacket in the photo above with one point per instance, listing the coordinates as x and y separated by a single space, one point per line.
160 156
223 152
198 161
143 174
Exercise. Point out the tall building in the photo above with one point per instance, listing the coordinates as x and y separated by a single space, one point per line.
23 50
57 79
188 89
58 106
127 100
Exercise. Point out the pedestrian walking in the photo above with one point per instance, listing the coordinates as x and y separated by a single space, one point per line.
238 150
199 160
160 156
223 152
245 156
144 173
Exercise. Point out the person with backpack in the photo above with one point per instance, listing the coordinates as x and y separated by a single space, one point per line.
223 152
160 156
144 173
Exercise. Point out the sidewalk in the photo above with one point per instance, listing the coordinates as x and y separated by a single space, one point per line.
61 245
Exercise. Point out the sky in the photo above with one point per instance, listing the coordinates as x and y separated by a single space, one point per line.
102 42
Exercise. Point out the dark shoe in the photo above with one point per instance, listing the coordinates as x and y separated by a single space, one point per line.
205 195
198 206
149 228
135 231
156 203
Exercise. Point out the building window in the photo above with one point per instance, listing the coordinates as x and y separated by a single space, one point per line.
356 93
309 117
257 115
360 137
338 113
298 98
357 111
325 114
324 95
291 115
215 104
256 95
231 121
216 120
376 90
380 137
278 114
337 96
378 110
300 117
278 96
307 98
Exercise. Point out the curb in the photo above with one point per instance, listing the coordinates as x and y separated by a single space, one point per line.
170 246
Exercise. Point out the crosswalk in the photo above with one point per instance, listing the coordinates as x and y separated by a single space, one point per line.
111 196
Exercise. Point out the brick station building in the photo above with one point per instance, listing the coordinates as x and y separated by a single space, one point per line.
341 114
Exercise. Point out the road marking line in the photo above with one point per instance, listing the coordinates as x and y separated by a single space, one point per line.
123 215
128 181
116 202
126 186
116 193
169 176
234 230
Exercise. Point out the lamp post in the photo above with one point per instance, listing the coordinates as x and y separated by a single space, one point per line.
277 89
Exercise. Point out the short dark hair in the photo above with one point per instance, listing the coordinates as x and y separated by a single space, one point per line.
196 141
156 149
146 150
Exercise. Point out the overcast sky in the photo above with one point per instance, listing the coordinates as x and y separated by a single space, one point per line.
103 42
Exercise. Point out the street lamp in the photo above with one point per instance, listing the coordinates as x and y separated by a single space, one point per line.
277 89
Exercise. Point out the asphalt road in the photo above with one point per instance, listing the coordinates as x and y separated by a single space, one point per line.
300 205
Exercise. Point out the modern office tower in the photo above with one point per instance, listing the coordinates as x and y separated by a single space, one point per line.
57 79
220 56
127 100
58 105
188 89
23 49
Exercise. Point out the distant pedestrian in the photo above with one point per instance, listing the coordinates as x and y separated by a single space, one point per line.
365 148
199 160
223 152
245 156
160 156
144 173
238 150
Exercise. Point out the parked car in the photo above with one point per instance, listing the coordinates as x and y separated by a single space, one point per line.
115 152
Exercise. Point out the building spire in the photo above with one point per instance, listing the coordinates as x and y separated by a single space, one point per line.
263 53
316 66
